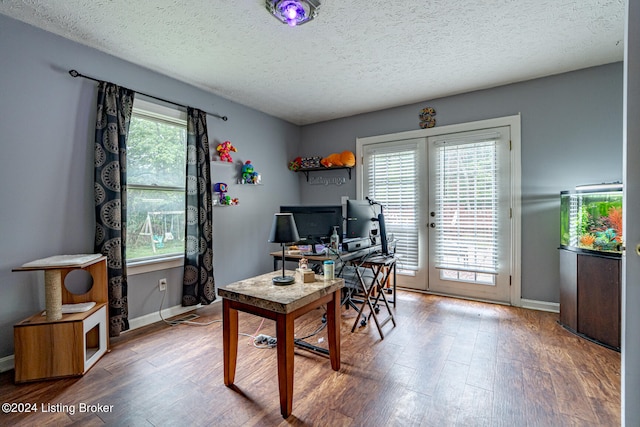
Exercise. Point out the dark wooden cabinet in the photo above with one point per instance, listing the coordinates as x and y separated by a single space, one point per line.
590 296
569 289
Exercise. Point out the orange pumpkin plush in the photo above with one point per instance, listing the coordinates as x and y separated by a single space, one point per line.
332 160
348 158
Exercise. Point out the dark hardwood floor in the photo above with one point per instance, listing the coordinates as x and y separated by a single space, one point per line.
448 362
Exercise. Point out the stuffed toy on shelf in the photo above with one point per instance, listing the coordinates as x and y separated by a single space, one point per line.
221 188
346 158
224 149
249 175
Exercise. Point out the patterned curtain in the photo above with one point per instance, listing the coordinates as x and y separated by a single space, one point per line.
112 126
198 284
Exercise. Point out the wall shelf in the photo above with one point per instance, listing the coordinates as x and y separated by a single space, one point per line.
307 170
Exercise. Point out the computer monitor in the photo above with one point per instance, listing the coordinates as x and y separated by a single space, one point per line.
383 234
316 223
365 219
360 218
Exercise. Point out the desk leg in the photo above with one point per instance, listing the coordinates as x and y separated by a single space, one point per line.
333 330
284 335
395 280
229 341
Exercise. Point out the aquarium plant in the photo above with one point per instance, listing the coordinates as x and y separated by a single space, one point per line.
591 219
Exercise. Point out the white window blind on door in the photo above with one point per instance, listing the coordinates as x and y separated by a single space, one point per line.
391 178
467 205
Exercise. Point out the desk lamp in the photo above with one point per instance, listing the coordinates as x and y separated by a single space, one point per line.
283 231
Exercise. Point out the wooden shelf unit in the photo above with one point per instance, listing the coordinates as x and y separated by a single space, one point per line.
70 345
61 348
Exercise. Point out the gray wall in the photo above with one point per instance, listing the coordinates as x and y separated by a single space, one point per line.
571 135
631 262
46 174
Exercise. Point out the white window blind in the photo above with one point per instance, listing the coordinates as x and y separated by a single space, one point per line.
390 174
467 205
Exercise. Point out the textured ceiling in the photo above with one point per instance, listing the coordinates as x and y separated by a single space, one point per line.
356 56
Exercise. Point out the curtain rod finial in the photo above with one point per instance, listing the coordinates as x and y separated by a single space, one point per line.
225 118
74 73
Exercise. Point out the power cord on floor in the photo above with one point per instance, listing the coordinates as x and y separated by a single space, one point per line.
181 321
259 341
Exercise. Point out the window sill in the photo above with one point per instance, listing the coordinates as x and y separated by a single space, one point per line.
147 266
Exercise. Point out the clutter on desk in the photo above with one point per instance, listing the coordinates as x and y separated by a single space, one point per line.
329 270
306 249
303 264
307 275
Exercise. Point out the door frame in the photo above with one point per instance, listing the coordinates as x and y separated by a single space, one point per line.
516 175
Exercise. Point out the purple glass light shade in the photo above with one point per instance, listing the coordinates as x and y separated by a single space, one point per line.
292 11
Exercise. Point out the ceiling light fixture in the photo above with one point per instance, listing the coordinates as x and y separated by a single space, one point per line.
293 12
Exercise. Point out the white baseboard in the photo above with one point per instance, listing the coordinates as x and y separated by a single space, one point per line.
7 363
154 317
531 304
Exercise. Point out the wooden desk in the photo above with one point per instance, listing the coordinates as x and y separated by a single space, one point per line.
283 304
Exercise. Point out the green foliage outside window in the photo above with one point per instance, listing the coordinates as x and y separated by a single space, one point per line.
156 158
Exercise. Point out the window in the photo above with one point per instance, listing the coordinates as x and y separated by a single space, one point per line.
156 159
390 178
466 192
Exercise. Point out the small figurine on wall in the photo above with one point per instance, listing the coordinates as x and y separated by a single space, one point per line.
221 188
224 149
249 175
426 117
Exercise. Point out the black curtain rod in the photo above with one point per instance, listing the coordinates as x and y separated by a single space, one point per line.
74 73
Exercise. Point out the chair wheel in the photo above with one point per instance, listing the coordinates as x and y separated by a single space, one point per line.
363 322
377 310
389 290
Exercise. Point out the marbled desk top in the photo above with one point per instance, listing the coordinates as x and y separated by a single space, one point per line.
260 291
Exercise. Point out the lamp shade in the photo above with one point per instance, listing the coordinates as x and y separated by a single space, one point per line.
293 12
284 229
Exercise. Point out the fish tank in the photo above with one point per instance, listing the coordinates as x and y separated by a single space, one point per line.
591 219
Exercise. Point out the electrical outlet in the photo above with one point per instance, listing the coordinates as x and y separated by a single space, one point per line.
162 285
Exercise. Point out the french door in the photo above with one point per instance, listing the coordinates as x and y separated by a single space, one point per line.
469 212
452 197
390 171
